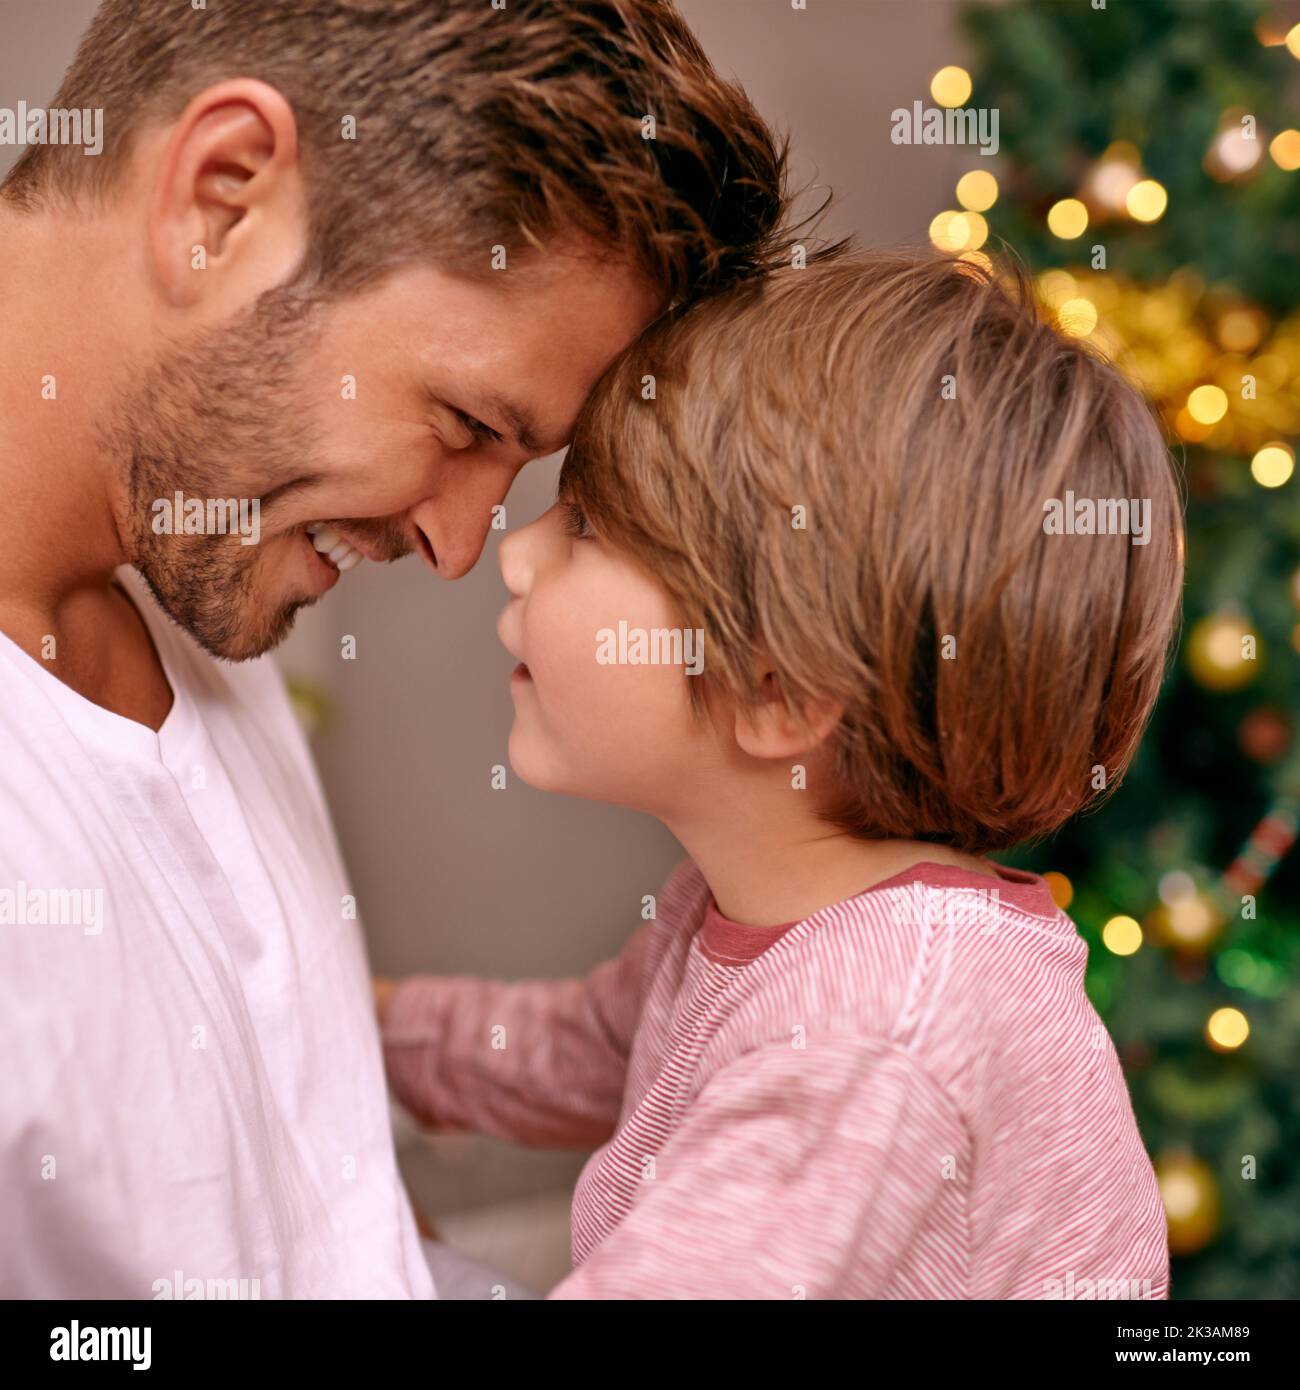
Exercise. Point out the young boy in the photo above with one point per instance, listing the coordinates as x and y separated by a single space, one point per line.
849 1057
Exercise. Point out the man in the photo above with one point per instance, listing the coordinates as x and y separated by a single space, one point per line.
341 269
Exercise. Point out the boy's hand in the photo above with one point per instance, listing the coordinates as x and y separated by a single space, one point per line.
384 990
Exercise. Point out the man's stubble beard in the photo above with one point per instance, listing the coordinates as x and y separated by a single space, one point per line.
229 395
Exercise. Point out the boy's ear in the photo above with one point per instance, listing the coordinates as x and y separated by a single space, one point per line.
772 728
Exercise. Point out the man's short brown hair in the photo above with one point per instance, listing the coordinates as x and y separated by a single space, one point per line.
475 126
851 467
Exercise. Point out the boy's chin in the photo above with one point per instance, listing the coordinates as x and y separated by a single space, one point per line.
531 764
540 769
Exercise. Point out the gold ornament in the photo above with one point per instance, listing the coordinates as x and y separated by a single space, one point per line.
1191 1199
1222 652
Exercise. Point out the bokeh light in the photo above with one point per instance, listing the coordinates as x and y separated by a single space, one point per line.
1146 201
1067 219
1208 404
950 86
1227 1029
1284 149
1272 465
951 230
1077 317
977 191
1121 936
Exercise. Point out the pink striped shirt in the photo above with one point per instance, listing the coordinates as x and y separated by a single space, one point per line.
905 1095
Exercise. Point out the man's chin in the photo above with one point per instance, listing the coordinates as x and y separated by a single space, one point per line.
226 620
236 606
255 634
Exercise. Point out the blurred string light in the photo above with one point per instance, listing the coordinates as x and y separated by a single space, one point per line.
1207 405
1146 201
1121 936
1077 317
1273 465
1067 219
1057 287
1234 152
950 86
1241 329
1284 149
977 258
954 231
977 231
1293 41
949 230
1107 184
1114 187
977 190
1226 1029
962 231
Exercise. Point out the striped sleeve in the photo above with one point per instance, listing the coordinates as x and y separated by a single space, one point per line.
542 1062
836 1170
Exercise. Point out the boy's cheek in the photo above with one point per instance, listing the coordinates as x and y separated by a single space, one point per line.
609 732
593 708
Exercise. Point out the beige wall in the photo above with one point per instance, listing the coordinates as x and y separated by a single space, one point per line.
451 875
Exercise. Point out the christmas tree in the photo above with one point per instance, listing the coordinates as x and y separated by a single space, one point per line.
1149 175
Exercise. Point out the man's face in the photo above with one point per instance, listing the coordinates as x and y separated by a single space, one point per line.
397 417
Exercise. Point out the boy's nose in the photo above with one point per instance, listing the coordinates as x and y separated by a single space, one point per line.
516 567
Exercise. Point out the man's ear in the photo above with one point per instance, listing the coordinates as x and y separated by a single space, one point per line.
772 729
227 216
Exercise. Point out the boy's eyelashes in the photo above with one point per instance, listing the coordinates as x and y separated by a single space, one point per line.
575 522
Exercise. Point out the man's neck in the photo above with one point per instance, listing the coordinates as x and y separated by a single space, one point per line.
57 529
59 541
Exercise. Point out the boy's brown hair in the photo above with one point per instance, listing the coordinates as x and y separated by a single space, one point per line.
474 126
916 415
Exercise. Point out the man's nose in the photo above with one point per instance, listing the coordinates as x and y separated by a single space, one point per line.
454 523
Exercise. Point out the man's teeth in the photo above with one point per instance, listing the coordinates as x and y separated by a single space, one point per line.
335 549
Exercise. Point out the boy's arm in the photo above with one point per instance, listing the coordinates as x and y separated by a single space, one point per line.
798 1173
542 1062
